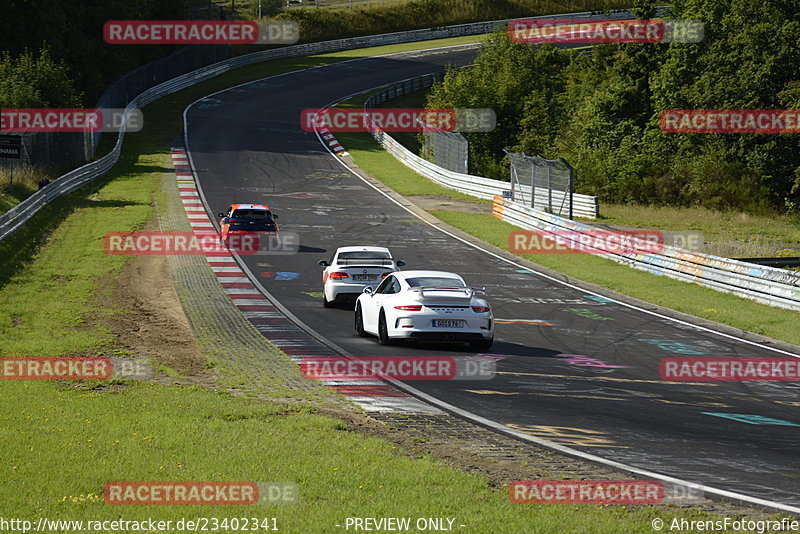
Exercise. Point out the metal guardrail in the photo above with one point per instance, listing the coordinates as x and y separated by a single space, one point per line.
769 285
17 216
773 262
486 188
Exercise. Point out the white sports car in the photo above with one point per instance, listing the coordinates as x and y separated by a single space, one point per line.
352 269
425 306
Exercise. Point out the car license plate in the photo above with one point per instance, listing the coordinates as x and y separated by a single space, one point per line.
362 277
448 324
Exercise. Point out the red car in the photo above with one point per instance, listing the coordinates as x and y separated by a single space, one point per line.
242 219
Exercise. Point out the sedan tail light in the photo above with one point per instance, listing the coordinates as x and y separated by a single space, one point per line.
409 308
481 309
338 276
384 275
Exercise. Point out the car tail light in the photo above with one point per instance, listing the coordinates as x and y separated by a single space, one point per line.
480 309
409 308
338 276
384 275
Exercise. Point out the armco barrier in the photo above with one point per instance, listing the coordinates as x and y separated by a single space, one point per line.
17 216
769 285
486 188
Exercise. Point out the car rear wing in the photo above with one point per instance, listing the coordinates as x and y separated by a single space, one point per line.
364 262
469 292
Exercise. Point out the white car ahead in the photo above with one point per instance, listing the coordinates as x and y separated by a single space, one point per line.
352 269
425 306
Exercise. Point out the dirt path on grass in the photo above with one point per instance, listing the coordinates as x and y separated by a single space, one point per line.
151 322
443 202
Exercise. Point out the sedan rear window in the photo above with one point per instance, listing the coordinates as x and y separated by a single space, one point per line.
254 226
364 257
252 215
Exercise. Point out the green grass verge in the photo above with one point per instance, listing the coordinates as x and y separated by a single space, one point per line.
63 441
372 159
661 290
410 140
726 233
778 228
322 24
68 441
11 195
18 184
46 308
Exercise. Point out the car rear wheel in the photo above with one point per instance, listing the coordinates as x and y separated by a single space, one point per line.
360 323
383 334
484 344
325 302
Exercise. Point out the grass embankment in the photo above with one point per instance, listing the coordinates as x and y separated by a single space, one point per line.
18 184
63 441
681 296
730 234
333 19
323 24
12 195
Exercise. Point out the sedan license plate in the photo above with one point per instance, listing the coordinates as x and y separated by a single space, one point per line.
448 324
362 277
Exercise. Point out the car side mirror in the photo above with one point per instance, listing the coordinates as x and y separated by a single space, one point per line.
274 216
400 263
323 263
367 291
220 215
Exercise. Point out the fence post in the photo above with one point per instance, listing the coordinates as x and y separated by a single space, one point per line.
571 178
533 184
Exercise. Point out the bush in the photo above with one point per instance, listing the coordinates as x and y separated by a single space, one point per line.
35 81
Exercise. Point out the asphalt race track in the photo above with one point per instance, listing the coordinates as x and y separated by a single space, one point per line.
247 146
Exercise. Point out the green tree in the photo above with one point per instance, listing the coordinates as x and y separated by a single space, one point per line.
35 81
